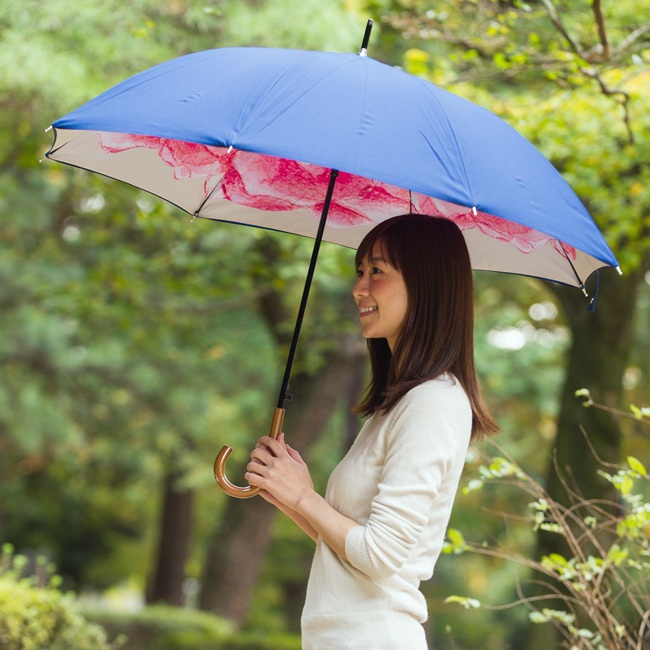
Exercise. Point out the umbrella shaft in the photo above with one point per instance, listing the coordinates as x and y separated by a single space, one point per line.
305 294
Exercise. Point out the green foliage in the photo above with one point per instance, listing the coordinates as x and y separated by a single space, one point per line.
131 343
304 24
168 628
32 618
603 582
161 627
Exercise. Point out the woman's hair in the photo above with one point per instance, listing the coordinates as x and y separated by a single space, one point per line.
438 333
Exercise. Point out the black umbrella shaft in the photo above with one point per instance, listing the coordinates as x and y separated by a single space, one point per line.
366 36
305 293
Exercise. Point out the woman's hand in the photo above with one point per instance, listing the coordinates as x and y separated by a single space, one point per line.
280 472
285 481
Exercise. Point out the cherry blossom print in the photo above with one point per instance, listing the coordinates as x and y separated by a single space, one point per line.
188 159
278 184
270 183
524 239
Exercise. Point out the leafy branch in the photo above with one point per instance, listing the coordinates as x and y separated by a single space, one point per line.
641 414
604 581
503 42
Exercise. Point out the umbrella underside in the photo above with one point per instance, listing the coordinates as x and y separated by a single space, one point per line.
276 193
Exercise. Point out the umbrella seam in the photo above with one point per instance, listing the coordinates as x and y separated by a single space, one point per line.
242 121
453 134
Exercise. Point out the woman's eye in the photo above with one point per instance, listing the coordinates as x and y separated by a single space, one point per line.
376 270
359 273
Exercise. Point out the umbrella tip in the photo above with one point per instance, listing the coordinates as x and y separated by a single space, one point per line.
618 268
366 38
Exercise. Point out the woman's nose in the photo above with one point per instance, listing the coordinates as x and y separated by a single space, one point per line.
360 289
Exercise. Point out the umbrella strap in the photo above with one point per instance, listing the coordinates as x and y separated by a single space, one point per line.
305 294
592 304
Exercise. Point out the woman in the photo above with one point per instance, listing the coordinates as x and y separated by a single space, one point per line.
381 526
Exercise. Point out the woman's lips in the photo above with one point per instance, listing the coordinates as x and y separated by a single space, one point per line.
368 312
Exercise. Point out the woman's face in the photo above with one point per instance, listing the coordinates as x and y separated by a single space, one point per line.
380 293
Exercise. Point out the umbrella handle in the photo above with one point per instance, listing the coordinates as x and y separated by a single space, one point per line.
220 463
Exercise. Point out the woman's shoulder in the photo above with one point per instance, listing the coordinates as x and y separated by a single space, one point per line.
440 390
435 409
442 397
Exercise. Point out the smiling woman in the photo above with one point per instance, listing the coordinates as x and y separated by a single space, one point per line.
380 528
382 298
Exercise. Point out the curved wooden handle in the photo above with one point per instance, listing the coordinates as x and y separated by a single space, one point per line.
220 463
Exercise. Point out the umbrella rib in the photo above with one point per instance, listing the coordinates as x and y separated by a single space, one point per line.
207 196
580 282
232 162
305 294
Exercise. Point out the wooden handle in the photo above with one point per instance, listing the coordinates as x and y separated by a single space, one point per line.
220 463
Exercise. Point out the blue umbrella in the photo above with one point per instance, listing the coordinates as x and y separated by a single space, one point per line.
287 139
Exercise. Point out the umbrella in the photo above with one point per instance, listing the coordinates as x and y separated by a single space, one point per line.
327 145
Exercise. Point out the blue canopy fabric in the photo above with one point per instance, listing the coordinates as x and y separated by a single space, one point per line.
344 112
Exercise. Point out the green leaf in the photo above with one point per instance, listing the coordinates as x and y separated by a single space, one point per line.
473 485
636 465
500 61
465 602
551 528
636 411
585 633
584 392
626 485
455 536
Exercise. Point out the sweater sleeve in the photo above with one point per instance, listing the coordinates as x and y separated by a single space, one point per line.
421 447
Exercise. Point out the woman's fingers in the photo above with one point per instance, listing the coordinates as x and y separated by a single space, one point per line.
253 479
273 446
278 470
261 456
295 455
257 470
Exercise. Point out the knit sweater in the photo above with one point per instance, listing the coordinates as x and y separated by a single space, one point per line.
398 481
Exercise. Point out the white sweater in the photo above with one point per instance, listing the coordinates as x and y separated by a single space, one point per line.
398 481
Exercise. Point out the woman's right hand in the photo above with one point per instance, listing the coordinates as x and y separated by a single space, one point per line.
277 468
267 496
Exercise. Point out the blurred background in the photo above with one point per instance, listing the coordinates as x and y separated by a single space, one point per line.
135 342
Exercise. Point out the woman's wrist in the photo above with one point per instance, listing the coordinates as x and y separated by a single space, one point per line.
307 503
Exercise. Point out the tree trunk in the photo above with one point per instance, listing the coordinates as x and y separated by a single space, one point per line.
600 350
173 547
237 551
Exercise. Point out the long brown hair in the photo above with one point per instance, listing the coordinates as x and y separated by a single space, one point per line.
438 334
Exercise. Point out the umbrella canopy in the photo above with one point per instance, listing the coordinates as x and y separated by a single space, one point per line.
249 135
